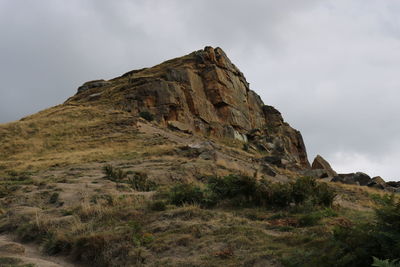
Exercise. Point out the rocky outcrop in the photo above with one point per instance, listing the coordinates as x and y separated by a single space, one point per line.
358 178
377 182
363 179
202 93
393 184
323 167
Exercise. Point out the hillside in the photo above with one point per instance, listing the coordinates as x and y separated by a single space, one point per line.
180 164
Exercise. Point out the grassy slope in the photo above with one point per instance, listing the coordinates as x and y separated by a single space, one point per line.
66 134
52 191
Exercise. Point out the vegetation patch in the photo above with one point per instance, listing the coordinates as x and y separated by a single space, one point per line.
242 191
138 181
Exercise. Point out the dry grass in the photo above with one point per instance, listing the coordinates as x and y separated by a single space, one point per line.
72 134
121 228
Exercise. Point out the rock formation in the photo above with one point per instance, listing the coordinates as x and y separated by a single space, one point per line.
201 93
358 178
320 163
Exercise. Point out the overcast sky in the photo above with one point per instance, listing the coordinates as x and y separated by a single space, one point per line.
331 67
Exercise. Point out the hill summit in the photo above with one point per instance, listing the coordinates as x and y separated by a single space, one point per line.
201 93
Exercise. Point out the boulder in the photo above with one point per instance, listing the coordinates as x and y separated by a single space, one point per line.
320 163
393 184
178 126
357 178
265 169
377 182
277 161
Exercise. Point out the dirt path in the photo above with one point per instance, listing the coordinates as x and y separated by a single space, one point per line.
28 254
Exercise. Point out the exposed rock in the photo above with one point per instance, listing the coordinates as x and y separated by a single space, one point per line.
377 182
201 93
320 163
277 161
393 184
357 178
204 150
176 125
318 173
265 169
92 84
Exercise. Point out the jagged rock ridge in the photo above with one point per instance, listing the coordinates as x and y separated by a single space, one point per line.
201 93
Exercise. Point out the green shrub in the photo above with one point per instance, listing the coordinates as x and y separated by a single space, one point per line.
307 189
303 188
384 200
309 219
244 190
140 182
52 245
54 198
234 186
114 174
146 115
280 195
357 245
314 217
186 194
324 195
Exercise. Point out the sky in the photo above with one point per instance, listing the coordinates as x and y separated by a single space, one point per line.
331 67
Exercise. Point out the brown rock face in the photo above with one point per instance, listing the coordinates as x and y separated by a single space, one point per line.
320 163
202 93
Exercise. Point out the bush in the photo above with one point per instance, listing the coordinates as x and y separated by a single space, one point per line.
280 195
54 198
309 219
313 218
324 195
234 186
244 190
114 174
303 189
261 193
53 245
146 115
186 194
357 245
386 199
307 189
140 182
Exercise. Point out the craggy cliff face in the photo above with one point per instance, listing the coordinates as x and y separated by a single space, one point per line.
202 93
